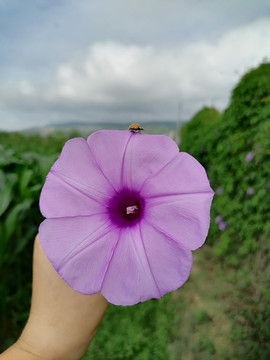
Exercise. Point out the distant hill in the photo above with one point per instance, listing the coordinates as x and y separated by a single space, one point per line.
84 129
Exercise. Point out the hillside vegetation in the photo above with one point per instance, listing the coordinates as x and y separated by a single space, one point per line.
235 149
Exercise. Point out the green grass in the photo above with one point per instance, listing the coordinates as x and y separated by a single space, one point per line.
204 304
139 332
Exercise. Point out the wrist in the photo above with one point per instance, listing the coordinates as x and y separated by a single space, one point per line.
51 344
22 350
18 352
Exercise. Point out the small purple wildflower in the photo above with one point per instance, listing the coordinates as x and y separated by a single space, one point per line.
219 190
267 186
123 213
250 191
222 225
249 156
218 219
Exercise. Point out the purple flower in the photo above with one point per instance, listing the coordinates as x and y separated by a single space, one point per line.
218 219
123 212
219 190
250 191
222 225
249 156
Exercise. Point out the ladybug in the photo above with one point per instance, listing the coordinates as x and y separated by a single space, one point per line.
135 128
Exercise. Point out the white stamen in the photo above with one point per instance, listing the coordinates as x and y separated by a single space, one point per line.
132 209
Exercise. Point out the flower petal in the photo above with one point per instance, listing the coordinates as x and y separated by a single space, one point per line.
129 279
145 156
60 238
184 218
79 249
171 264
178 201
183 175
62 198
85 272
108 148
75 185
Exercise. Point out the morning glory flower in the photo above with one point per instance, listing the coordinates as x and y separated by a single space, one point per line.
123 213
250 191
222 225
218 219
249 156
219 190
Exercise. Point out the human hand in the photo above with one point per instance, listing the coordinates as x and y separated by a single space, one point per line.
62 322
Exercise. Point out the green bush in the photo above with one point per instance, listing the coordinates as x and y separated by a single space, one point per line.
235 149
199 134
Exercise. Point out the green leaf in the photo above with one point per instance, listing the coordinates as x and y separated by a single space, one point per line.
6 185
12 218
45 162
25 179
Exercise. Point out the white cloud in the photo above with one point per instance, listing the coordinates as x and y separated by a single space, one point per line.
116 80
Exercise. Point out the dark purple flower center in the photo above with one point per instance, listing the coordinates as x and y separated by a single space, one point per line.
126 208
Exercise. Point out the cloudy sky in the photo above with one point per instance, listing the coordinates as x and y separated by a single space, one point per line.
124 60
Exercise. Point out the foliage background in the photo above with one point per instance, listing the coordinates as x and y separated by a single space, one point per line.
235 149
223 310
